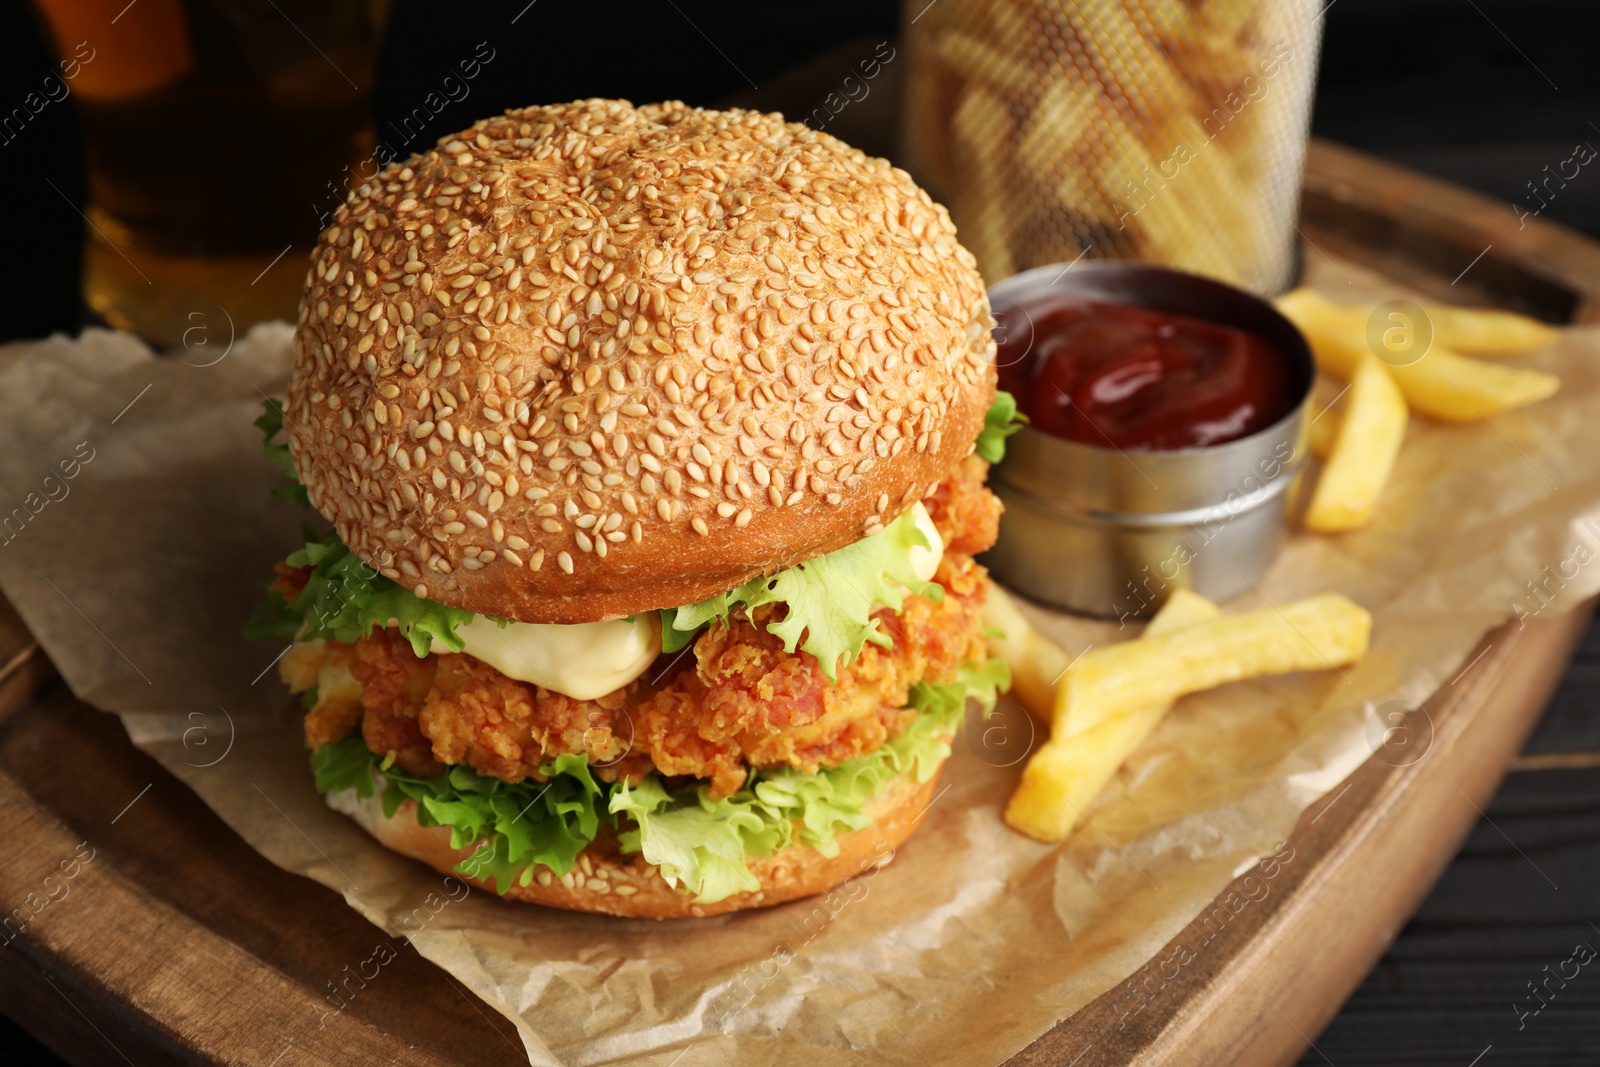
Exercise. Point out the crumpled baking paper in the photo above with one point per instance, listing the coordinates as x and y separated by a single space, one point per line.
139 529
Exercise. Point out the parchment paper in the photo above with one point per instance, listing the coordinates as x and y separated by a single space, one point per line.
137 572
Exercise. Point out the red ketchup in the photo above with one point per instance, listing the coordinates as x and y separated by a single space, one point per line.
1111 375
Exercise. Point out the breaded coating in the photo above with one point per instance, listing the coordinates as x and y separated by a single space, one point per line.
325 665
963 509
733 702
506 728
395 686
748 703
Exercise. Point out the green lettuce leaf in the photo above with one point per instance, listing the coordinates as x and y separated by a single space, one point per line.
346 765
672 638
345 599
983 682
699 843
830 599
696 841
702 843
271 425
523 826
1000 422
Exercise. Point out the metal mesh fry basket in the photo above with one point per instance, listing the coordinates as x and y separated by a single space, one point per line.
1168 131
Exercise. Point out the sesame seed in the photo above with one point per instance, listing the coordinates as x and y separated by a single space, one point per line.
592 352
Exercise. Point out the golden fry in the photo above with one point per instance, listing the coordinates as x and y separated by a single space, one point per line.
1037 663
976 60
1056 128
982 127
1063 776
1487 331
1227 17
1465 331
1369 437
1183 608
1107 683
1441 385
1172 19
1321 433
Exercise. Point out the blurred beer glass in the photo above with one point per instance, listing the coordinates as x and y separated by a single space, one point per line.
215 133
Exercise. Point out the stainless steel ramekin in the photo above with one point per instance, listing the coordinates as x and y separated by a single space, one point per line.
1112 533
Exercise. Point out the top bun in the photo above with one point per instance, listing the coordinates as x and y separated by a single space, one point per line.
587 360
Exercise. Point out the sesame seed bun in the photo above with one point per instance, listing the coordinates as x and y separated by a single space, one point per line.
610 883
587 360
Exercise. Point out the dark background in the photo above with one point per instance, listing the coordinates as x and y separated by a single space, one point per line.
1481 92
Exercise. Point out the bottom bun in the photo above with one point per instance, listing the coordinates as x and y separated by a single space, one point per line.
606 881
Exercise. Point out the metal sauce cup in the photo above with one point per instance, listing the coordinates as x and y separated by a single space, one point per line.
1112 533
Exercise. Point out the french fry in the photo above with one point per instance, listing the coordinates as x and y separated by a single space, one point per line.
1184 608
1321 433
1054 140
1469 331
1037 663
1063 776
1112 682
1169 18
1056 128
1227 17
982 127
1150 166
1363 453
1487 331
1174 217
1452 388
1441 385
976 60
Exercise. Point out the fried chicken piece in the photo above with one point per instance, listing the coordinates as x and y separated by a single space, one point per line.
325 666
290 581
740 702
395 686
748 703
505 728
445 709
966 513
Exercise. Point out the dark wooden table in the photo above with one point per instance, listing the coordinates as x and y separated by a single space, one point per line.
1444 993
1410 229
1522 893
207 954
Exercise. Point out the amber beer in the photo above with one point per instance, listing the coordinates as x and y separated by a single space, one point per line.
211 130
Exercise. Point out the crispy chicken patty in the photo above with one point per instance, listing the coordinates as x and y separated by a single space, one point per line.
733 701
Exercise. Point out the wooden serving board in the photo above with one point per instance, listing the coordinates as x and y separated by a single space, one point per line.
175 942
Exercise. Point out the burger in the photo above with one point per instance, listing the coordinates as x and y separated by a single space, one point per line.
653 444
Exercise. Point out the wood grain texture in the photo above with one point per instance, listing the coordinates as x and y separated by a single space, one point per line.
178 943
1516 900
